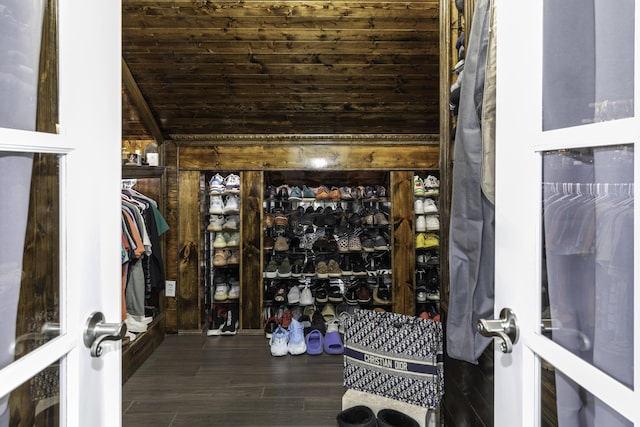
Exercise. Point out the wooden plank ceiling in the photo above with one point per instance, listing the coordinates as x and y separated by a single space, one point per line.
284 66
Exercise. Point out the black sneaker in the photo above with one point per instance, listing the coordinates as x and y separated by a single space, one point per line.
281 293
354 219
318 219
335 294
270 293
372 269
358 267
433 278
283 193
218 318
271 192
307 217
309 269
361 416
346 266
381 295
296 269
351 293
368 244
363 294
391 418
322 295
329 217
384 263
230 326
421 278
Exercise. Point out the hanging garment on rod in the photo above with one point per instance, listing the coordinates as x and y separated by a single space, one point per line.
143 266
134 286
471 250
587 208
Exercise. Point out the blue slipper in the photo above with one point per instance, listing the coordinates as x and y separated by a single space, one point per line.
314 342
333 343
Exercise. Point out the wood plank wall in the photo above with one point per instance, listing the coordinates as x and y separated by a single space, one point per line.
189 274
403 241
252 184
170 150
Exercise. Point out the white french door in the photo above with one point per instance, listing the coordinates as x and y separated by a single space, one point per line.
566 245
72 175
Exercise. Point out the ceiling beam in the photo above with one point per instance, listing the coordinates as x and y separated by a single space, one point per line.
138 100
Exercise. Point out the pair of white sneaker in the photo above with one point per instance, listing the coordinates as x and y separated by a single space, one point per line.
425 206
427 223
290 340
296 296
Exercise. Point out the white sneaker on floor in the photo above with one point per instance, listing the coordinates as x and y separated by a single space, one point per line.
278 342
296 343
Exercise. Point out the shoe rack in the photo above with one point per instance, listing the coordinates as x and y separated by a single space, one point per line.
326 244
426 192
221 247
273 162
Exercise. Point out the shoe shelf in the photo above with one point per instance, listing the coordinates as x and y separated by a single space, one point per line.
327 250
222 252
427 227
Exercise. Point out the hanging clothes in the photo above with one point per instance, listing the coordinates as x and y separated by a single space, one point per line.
142 261
471 250
588 243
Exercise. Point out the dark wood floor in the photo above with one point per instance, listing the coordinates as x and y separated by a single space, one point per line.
231 381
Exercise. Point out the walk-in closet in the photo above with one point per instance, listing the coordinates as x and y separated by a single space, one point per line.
315 213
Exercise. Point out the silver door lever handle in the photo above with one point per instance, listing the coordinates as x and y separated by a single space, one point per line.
506 328
96 332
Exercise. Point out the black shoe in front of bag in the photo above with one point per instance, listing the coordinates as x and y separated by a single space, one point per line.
357 416
393 418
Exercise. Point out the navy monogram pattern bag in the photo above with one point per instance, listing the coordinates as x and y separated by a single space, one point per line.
394 355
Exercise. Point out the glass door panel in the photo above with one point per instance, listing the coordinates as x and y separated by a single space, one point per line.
588 69
28 65
29 269
565 403
587 271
